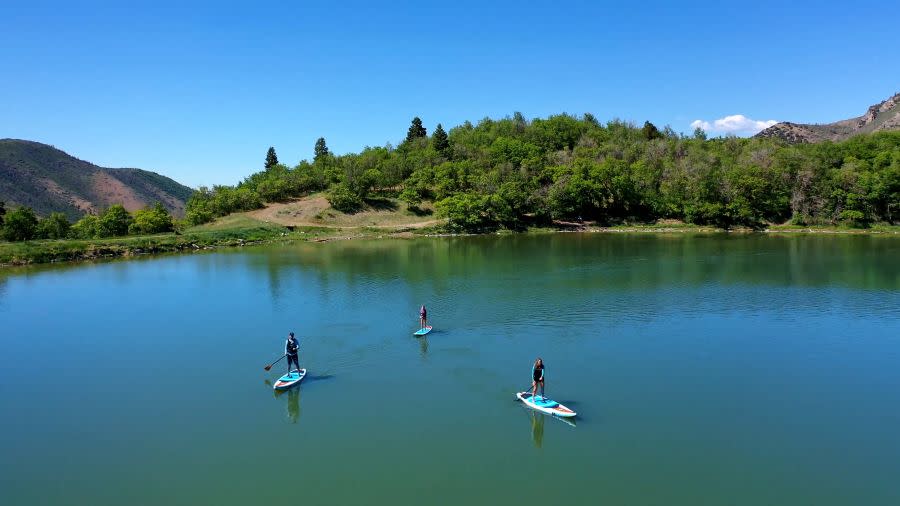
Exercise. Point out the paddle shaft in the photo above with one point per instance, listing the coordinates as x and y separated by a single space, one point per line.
528 390
275 362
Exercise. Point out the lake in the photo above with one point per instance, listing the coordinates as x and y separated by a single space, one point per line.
739 369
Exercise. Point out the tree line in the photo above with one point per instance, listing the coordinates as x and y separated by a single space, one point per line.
22 224
514 172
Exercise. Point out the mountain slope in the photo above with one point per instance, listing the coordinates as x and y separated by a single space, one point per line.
879 117
49 180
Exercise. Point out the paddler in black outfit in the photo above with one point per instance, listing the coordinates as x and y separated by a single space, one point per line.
537 377
291 349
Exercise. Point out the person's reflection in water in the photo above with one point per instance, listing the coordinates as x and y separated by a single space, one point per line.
537 429
423 346
293 404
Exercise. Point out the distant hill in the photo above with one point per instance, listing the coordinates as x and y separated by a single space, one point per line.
49 180
879 117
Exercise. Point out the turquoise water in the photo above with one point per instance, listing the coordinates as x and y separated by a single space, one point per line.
710 369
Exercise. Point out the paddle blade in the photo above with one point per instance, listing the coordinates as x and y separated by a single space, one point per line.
268 367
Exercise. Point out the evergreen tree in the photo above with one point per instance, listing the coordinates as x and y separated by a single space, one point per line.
650 131
271 158
321 150
439 139
2 211
416 130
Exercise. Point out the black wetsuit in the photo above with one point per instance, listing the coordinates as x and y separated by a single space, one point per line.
537 373
291 349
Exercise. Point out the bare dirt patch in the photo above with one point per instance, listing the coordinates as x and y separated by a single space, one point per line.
114 191
315 211
54 188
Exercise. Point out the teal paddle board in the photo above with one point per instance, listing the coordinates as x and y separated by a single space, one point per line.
545 405
290 379
422 332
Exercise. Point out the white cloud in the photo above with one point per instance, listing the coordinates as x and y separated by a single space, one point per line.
736 124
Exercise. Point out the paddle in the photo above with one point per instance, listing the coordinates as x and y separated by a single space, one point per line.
275 362
516 395
527 390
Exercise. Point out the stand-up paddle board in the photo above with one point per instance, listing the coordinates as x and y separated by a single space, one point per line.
290 379
545 405
422 332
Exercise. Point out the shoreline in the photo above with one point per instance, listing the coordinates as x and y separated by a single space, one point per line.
77 251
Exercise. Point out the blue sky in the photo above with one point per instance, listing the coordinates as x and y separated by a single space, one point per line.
199 92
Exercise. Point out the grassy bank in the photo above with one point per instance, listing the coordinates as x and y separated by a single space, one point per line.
243 229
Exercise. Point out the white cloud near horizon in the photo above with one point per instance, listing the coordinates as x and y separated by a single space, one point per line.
736 124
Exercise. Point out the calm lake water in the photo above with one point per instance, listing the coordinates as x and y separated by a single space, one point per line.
711 369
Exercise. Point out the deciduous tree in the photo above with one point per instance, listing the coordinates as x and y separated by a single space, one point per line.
19 224
55 226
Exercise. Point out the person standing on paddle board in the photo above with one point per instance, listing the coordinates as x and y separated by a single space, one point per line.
537 377
291 349
423 316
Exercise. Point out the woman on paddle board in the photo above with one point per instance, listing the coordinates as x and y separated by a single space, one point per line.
537 377
291 349
423 316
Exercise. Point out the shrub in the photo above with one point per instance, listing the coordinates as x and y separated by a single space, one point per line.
88 227
342 198
151 221
19 224
115 221
55 226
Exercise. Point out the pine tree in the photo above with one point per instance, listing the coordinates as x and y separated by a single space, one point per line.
321 149
650 131
416 130
439 139
271 158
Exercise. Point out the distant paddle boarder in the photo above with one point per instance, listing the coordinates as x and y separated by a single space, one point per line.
537 377
423 317
291 349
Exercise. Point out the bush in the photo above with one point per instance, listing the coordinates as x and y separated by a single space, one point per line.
854 218
151 221
342 198
88 227
466 212
115 221
55 226
411 197
19 225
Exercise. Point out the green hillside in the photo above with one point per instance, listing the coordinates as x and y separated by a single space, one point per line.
514 173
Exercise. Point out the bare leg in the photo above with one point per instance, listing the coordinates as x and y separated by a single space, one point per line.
533 389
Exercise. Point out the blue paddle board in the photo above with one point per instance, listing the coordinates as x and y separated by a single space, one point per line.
545 405
290 379
422 332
